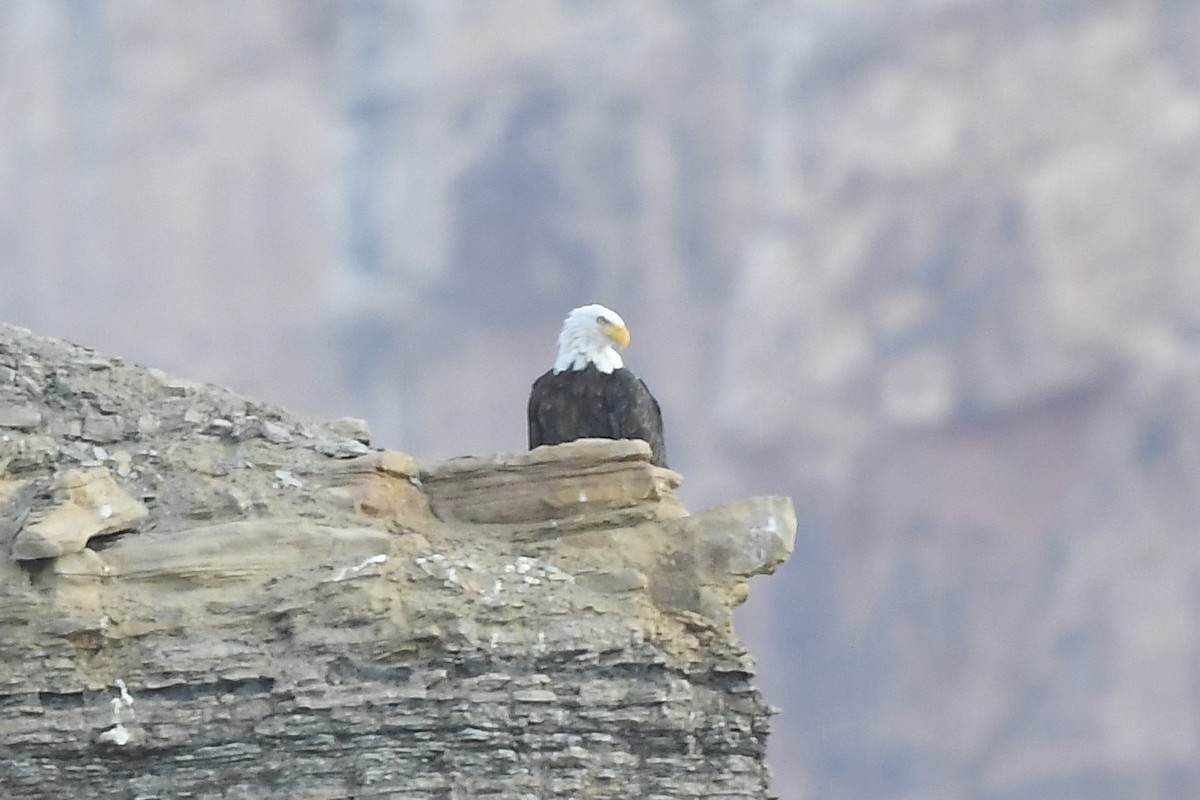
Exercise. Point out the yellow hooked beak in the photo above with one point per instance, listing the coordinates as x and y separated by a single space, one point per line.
618 333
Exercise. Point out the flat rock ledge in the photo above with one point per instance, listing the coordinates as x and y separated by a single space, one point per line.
202 595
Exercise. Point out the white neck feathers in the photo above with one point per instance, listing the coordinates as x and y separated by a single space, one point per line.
583 342
605 359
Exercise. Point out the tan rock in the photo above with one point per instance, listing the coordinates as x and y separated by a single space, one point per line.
86 563
696 565
239 551
577 483
612 581
766 529
87 503
8 487
381 485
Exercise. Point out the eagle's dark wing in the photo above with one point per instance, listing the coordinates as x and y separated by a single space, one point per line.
535 411
566 406
634 413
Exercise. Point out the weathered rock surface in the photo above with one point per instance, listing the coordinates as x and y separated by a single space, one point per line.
214 603
556 487
87 504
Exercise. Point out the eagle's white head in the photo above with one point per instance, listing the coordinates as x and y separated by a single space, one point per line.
591 334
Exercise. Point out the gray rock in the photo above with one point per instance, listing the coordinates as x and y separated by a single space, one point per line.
275 433
103 428
341 448
21 417
351 428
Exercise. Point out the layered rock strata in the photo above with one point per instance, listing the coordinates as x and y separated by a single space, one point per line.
201 595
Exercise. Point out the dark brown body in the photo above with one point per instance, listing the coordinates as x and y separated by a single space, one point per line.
587 403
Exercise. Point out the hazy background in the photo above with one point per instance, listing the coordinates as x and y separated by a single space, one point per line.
931 267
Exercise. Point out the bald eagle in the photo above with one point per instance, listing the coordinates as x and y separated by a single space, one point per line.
589 393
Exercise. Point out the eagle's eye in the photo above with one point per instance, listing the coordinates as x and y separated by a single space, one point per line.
602 320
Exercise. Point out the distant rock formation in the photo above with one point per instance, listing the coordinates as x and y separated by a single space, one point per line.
201 594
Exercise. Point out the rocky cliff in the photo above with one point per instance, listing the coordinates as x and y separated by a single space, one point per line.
204 595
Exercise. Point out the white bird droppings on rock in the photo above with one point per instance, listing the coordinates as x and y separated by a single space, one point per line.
346 572
289 480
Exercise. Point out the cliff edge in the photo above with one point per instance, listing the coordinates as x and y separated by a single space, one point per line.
204 595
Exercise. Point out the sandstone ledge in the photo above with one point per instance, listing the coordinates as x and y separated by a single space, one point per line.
278 610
